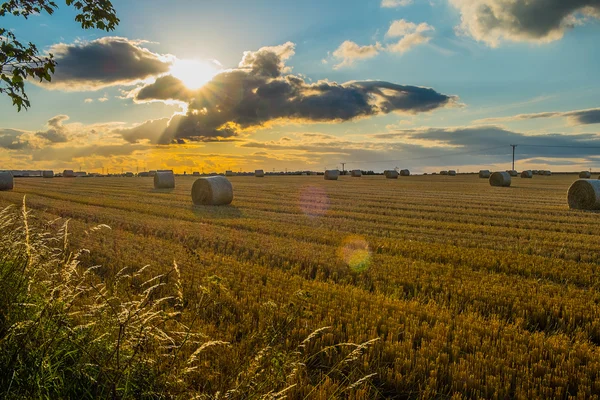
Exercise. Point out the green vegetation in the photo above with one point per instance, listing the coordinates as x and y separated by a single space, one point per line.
454 288
20 61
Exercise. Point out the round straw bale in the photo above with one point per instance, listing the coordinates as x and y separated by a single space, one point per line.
331 174
68 173
527 174
391 174
584 194
585 174
443 172
404 172
164 180
259 173
452 172
356 173
212 191
228 173
512 172
535 171
547 173
500 179
7 181
48 174
484 174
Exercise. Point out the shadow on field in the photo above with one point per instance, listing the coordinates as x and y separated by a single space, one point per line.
224 212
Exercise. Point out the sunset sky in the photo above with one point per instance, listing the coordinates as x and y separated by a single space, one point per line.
265 84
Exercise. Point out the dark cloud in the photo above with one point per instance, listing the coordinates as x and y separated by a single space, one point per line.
104 62
12 139
165 88
523 20
150 130
578 117
259 92
56 132
585 117
487 137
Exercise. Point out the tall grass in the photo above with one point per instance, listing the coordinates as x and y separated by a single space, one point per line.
69 331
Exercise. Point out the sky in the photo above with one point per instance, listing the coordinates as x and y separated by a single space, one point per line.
271 84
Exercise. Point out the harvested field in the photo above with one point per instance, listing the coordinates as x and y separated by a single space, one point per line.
467 292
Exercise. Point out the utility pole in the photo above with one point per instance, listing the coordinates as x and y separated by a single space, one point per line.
343 168
513 164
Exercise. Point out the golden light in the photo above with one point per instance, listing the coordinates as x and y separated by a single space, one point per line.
193 74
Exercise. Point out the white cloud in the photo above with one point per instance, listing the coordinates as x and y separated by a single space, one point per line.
349 52
410 35
395 3
403 27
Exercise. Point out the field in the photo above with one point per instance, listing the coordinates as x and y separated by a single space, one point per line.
473 291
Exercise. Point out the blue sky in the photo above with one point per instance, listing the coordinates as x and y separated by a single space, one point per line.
495 76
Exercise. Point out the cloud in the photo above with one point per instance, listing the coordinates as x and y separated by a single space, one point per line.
401 27
395 3
259 92
475 138
578 117
88 100
56 132
407 35
104 62
349 52
13 139
410 35
71 153
150 130
540 21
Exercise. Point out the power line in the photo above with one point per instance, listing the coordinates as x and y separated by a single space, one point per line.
560 146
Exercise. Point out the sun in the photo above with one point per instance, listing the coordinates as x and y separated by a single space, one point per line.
194 74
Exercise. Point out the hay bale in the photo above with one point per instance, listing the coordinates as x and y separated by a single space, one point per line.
68 173
584 194
527 174
512 172
7 181
404 172
484 174
501 179
48 174
212 191
585 174
228 173
152 173
443 172
332 175
164 180
129 174
259 173
452 172
535 171
356 173
547 173
391 174
196 173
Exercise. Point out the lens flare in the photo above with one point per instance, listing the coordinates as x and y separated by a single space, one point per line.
355 252
314 201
